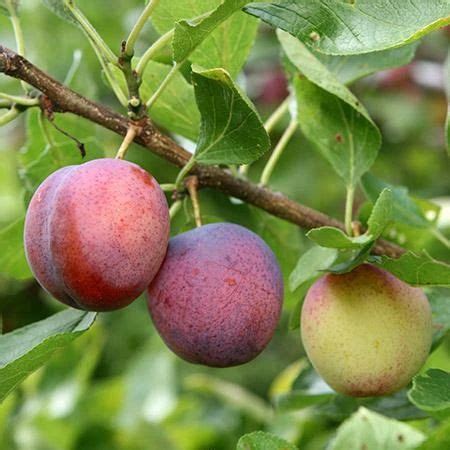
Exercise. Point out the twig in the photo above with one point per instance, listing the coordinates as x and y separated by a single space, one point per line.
66 100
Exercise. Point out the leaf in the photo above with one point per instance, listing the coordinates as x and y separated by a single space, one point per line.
431 392
371 431
189 36
260 440
332 237
336 27
438 439
378 220
311 264
26 349
348 69
404 208
416 269
231 130
354 261
330 116
227 46
12 257
60 8
447 85
439 299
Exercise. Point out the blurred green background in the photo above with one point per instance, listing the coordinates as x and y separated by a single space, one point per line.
118 386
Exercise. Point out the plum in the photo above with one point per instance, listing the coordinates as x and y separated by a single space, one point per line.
218 295
96 234
366 332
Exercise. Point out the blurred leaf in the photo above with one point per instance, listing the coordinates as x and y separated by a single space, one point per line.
189 36
438 439
416 269
447 85
330 116
61 10
345 28
26 349
372 431
260 440
227 46
231 130
404 208
13 262
5 6
348 69
233 394
439 299
311 264
431 392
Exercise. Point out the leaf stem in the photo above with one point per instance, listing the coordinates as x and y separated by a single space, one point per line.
132 132
184 171
163 85
349 209
168 187
139 25
192 187
76 60
92 33
9 116
160 43
24 101
440 237
277 152
174 208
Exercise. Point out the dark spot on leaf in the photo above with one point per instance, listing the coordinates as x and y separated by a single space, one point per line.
364 447
339 137
400 438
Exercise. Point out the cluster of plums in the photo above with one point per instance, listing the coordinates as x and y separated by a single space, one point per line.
97 237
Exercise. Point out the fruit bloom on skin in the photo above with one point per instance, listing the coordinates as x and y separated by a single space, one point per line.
366 332
96 234
218 295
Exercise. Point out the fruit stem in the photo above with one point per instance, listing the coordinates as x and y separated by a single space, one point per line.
270 123
174 208
139 25
168 187
349 210
192 187
132 132
277 152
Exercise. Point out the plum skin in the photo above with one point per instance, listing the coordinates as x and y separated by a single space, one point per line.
366 332
96 234
217 298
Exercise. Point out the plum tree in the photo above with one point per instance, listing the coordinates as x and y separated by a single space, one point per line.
218 295
96 234
366 332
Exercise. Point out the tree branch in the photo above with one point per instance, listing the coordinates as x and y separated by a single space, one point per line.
63 99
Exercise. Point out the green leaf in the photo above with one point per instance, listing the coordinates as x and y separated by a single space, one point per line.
311 264
336 27
26 349
231 130
368 430
416 269
12 257
227 46
330 116
404 208
354 260
260 440
60 8
335 238
348 69
189 36
431 392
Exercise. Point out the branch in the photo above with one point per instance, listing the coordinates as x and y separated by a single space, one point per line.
64 100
